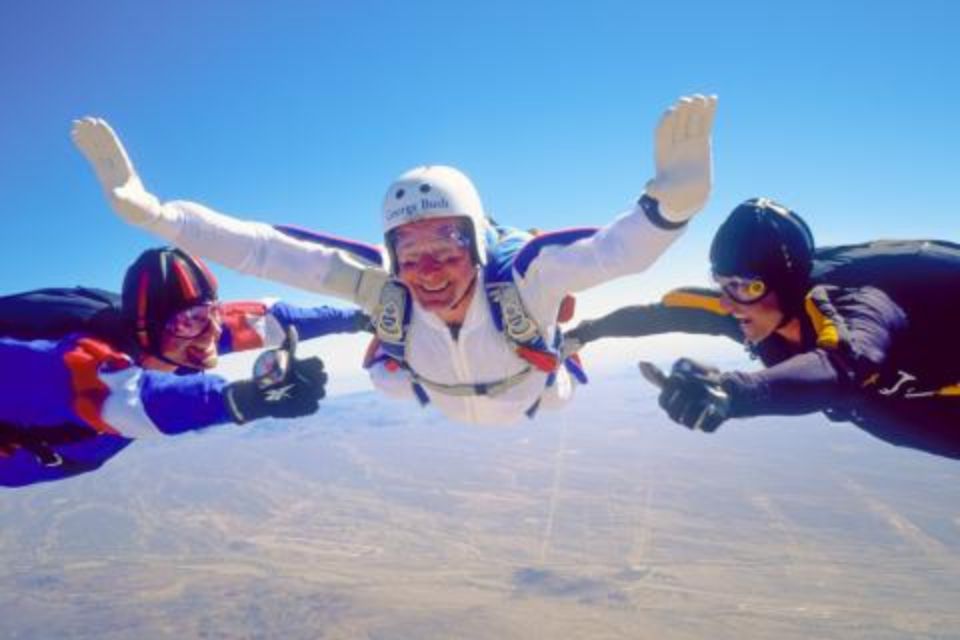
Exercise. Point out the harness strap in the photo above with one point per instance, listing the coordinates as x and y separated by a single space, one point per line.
475 389
391 320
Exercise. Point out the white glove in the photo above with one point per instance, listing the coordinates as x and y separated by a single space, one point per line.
103 149
369 287
683 158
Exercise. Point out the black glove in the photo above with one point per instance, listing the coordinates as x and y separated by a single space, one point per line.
296 394
363 322
578 337
281 387
693 396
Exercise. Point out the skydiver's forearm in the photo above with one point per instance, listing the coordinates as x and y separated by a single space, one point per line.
313 322
48 383
805 383
260 250
176 404
655 319
630 244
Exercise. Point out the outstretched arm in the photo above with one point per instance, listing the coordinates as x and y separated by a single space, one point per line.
687 310
853 333
84 381
700 397
806 383
255 325
314 322
636 239
253 248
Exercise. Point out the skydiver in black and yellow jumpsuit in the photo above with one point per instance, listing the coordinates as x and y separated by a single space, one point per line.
864 333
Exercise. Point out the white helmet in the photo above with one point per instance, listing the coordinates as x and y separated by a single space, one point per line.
435 191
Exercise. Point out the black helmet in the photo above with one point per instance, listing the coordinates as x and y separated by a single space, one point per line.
157 285
765 240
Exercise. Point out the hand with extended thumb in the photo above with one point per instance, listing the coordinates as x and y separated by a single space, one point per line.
281 386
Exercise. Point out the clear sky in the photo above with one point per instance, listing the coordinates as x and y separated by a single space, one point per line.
303 112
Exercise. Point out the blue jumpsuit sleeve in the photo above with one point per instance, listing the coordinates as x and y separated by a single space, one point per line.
313 322
48 383
179 403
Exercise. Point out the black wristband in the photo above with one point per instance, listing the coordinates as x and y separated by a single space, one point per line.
651 207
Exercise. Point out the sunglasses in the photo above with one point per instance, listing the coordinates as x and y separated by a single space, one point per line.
193 321
742 290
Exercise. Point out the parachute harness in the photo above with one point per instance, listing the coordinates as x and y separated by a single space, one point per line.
392 318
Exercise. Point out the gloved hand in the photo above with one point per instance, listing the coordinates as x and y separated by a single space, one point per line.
105 153
296 394
683 158
281 386
362 322
368 290
693 396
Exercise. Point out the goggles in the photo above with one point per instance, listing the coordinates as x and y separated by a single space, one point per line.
448 242
742 290
193 321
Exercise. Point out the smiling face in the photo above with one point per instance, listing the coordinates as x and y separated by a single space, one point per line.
189 338
435 261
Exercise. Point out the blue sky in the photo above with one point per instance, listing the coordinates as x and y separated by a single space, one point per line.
303 112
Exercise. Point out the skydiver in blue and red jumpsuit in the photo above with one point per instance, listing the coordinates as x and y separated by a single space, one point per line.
71 402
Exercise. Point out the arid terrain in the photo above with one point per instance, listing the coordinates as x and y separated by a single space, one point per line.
377 520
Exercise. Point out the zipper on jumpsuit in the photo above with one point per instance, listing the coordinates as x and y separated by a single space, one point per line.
463 370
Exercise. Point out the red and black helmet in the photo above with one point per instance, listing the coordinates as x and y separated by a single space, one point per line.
160 283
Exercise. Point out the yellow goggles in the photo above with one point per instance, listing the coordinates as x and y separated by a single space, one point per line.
742 290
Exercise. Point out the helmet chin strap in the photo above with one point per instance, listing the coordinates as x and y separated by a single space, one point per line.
791 313
156 355
791 299
466 293
178 365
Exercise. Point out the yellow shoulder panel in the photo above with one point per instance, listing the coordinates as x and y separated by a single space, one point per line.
695 299
827 335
